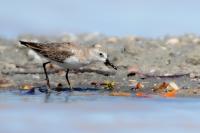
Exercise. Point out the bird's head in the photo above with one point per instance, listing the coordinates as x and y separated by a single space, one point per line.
100 55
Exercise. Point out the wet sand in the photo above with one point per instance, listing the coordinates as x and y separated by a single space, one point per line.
146 60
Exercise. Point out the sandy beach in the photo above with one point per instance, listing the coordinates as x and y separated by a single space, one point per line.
149 61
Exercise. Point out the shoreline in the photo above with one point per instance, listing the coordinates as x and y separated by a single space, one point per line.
170 55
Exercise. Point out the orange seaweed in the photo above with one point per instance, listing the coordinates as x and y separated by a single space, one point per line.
170 94
139 94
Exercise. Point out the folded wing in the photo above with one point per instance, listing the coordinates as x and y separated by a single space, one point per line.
54 51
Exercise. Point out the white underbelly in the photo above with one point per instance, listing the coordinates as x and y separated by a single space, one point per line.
72 63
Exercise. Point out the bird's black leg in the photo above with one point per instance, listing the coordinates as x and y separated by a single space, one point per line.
67 72
47 78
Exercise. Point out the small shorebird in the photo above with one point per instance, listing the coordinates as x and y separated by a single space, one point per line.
68 55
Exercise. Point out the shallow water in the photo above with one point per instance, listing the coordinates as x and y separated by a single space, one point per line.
93 112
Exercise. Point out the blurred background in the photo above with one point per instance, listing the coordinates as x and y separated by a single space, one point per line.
152 18
142 37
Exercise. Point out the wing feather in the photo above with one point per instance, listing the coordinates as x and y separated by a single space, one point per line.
54 51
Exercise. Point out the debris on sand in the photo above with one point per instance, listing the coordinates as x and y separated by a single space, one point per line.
59 87
135 85
148 61
166 87
172 86
170 94
127 94
5 83
26 87
107 85
142 95
160 87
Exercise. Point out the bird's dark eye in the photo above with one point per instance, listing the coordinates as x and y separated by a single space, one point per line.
100 54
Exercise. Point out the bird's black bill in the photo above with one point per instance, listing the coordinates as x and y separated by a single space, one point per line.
108 63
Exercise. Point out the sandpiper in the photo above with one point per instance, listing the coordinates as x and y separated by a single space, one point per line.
68 55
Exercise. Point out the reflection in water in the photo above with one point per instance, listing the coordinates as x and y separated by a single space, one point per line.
93 112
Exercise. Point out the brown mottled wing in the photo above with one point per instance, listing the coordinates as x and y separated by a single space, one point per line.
54 51
56 55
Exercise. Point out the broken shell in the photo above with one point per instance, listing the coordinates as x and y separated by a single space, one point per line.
160 87
139 85
166 87
172 86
